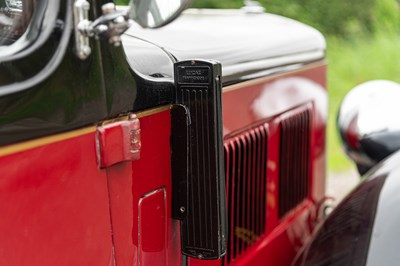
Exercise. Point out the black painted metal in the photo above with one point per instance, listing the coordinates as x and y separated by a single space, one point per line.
198 86
180 125
72 96
363 228
351 226
78 92
241 42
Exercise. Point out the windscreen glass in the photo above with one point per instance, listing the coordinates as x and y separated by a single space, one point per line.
15 17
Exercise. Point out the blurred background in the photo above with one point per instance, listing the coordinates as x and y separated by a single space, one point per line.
363 38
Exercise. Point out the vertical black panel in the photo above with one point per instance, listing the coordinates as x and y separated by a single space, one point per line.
180 124
198 87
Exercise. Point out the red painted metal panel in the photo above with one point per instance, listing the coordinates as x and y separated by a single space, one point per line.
54 206
131 181
121 210
281 245
267 98
56 211
196 262
248 148
295 158
151 172
242 107
118 142
266 101
152 228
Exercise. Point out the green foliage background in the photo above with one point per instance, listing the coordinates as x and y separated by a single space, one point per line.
363 44
122 2
333 17
363 38
344 18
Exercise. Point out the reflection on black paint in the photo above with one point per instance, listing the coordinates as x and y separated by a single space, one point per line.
345 236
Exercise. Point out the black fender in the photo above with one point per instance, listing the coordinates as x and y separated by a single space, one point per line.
364 228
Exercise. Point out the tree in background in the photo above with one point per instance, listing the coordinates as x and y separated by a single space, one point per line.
341 18
336 17
122 2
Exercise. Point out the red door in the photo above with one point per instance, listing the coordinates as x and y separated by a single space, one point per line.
54 203
144 232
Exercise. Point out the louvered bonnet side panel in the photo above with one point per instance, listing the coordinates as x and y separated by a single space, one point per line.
294 180
246 181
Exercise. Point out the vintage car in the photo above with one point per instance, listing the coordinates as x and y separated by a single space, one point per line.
198 143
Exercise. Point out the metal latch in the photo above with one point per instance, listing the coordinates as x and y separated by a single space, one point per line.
110 25
118 141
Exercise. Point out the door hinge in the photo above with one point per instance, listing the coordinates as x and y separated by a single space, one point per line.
118 141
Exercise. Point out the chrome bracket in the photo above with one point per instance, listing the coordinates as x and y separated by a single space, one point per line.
110 25
81 16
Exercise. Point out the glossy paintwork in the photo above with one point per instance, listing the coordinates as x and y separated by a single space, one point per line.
54 204
385 233
151 172
140 52
120 184
247 103
66 205
62 101
371 235
245 44
152 228
283 243
77 94
267 101
81 93
129 183
60 209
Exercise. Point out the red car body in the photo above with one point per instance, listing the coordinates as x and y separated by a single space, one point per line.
66 201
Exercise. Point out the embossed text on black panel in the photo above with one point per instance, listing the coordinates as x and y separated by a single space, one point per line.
194 75
203 227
